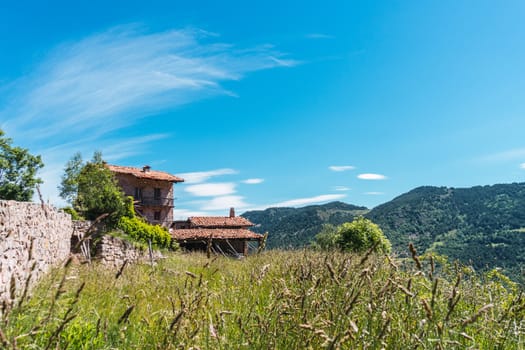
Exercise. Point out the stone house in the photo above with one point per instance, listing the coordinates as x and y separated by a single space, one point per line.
227 234
151 189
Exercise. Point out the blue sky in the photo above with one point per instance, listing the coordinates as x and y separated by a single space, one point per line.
280 103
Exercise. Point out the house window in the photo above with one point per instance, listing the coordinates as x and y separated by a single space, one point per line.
138 193
156 193
156 216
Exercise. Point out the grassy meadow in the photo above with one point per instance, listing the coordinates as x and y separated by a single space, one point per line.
275 300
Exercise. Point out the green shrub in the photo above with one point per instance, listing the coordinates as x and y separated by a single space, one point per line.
141 231
356 236
74 214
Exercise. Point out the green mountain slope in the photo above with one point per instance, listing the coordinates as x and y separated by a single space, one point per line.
483 226
296 227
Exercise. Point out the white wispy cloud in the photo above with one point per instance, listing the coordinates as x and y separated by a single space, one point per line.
183 214
341 188
116 150
203 176
310 200
211 189
339 168
125 74
373 193
507 155
84 90
254 181
318 36
225 202
371 177
522 165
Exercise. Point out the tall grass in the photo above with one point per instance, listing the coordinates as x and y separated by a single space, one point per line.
276 300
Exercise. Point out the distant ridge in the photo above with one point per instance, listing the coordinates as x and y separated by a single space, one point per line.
296 227
483 226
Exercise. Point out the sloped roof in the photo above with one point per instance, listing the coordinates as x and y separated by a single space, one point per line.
141 174
215 233
219 221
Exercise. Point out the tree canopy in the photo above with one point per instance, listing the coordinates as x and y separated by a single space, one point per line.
357 236
68 187
92 188
18 169
362 234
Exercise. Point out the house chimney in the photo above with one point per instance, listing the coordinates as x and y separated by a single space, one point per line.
146 168
232 212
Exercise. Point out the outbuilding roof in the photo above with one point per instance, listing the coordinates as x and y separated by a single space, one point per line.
219 221
194 234
144 173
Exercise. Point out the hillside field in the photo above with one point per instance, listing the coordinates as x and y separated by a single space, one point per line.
276 300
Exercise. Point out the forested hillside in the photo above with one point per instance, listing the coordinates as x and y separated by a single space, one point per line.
483 226
296 227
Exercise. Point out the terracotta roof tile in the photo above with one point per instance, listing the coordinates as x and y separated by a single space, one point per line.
216 233
141 174
219 221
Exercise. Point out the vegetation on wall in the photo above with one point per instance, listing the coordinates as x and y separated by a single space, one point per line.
18 170
141 231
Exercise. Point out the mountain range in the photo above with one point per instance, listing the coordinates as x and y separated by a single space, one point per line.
483 226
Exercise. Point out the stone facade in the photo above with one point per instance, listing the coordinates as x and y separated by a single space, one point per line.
154 198
30 234
114 251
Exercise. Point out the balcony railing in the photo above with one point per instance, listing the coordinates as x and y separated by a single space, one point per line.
156 201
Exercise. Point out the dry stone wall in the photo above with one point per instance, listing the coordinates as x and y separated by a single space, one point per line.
114 251
30 234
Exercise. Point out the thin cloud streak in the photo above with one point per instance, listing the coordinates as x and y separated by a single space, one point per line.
310 200
507 155
203 176
339 168
183 214
224 203
371 177
255 181
211 189
318 36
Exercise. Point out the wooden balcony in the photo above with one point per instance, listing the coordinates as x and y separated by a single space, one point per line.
155 202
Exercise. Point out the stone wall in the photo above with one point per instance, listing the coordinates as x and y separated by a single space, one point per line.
30 234
114 251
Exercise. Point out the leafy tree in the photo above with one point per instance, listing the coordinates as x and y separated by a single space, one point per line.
99 193
69 185
18 170
362 234
327 239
